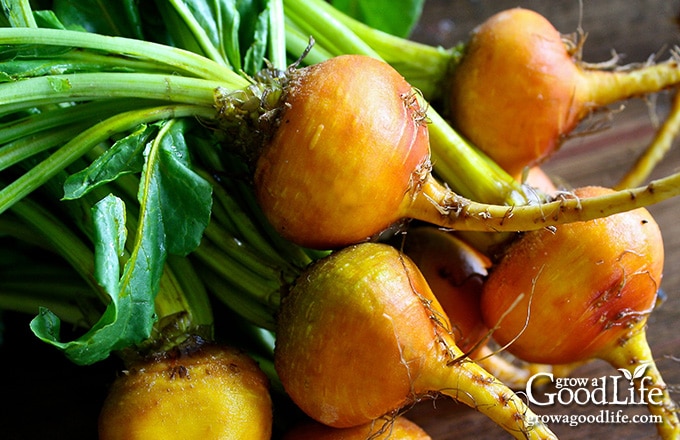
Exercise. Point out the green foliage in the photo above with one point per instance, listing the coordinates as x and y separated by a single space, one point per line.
174 210
128 162
396 17
109 17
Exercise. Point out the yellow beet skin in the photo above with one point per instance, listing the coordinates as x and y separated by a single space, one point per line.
212 393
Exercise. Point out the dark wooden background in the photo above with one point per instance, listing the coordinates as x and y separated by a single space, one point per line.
635 29
43 396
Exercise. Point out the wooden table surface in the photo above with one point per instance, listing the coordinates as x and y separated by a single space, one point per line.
636 29
48 398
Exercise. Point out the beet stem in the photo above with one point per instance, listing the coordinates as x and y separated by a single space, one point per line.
440 206
468 382
630 355
602 88
657 149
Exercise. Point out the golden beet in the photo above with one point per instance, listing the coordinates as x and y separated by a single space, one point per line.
361 335
598 279
519 90
344 157
211 393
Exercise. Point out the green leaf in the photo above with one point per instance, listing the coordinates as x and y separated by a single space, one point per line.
130 315
255 54
109 218
198 26
185 198
233 32
108 17
174 206
230 36
168 184
396 17
48 19
124 157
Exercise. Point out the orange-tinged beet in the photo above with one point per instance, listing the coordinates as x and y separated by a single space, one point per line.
455 272
350 158
212 392
518 90
539 179
600 277
343 158
581 291
399 428
360 335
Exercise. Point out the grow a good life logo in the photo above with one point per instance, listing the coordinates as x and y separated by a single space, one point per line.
605 390
624 389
